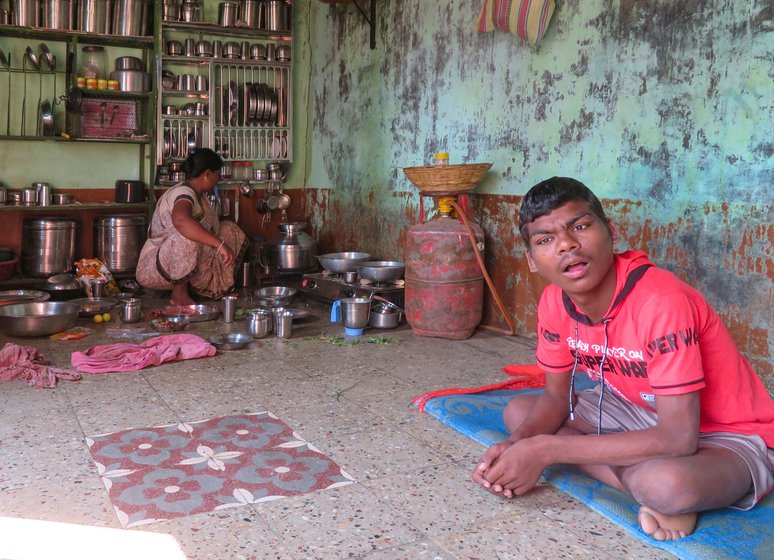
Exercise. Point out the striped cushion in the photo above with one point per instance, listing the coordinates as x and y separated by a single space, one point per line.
526 18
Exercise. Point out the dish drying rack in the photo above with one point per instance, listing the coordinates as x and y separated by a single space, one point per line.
248 116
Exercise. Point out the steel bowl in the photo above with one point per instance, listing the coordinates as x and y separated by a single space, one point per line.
231 341
172 324
194 313
63 287
95 306
42 318
342 262
274 296
381 271
9 297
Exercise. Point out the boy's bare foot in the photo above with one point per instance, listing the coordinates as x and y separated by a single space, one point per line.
664 527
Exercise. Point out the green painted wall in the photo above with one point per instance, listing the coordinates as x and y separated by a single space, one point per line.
663 108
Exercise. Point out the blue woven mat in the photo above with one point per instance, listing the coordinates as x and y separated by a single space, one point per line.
720 534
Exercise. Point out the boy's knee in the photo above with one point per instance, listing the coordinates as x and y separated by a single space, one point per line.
669 491
516 411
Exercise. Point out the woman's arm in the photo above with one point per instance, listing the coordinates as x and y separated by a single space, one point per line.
182 219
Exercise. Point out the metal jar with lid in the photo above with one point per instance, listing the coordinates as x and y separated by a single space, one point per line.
118 240
293 250
48 246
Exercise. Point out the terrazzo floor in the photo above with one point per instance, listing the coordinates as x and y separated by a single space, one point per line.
412 497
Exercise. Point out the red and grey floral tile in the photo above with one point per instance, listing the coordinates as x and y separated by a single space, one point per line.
182 469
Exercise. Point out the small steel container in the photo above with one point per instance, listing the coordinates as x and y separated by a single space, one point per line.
258 323
131 310
29 196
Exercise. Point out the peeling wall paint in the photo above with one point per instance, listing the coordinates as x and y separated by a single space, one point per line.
663 109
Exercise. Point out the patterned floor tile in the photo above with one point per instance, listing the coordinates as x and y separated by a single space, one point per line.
183 469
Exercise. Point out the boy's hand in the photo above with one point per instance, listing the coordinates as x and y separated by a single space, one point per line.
516 471
486 462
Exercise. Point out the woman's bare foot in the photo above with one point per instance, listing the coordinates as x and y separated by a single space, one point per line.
180 295
664 527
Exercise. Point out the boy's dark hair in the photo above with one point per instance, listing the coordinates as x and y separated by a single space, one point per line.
549 195
200 160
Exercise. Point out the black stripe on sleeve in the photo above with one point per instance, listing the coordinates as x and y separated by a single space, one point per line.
686 384
562 367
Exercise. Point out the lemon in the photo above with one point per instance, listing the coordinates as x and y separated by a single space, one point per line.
98 318
106 317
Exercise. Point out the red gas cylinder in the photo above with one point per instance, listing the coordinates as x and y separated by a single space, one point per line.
444 282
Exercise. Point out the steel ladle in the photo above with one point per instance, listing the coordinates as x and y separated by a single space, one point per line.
6 62
33 58
49 59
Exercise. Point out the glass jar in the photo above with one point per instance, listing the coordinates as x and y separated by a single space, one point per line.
247 170
236 173
441 158
93 63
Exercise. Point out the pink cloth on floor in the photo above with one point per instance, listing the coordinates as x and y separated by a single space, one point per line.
25 362
131 357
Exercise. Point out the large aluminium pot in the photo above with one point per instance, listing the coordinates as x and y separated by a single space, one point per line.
293 250
48 246
118 240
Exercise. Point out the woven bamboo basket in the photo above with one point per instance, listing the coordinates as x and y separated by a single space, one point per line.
447 179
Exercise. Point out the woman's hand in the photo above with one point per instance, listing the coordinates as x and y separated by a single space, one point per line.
225 253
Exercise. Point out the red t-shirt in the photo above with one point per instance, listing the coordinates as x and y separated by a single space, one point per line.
663 339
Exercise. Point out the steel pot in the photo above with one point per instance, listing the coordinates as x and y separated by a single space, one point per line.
227 13
232 49
190 12
203 48
385 316
292 250
131 80
48 246
128 63
118 240
25 13
251 12
94 15
130 17
61 198
130 191
57 14
174 48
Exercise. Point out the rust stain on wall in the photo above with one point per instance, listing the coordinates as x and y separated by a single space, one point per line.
675 245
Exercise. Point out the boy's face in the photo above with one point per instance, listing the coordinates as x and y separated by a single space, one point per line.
572 248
